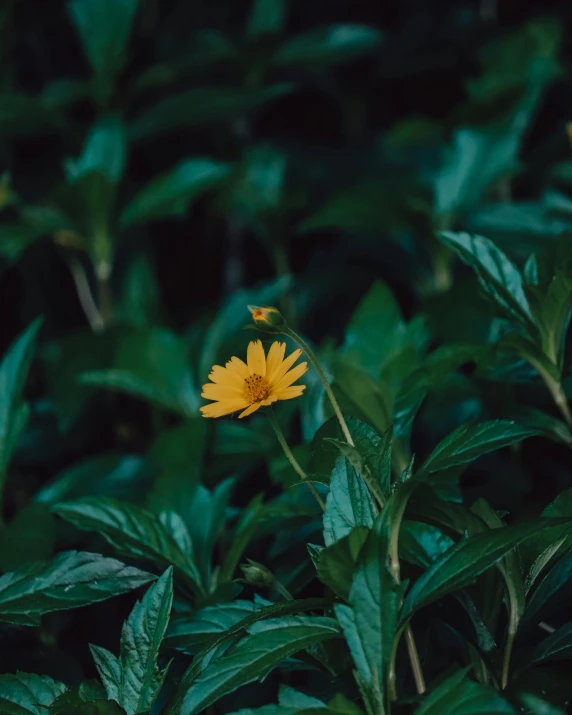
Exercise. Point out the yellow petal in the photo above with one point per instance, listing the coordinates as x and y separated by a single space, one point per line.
249 410
222 392
255 358
274 359
225 407
283 368
269 400
238 366
290 377
289 393
222 376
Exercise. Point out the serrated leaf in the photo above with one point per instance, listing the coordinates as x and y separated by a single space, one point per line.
498 276
359 463
348 504
336 563
189 632
255 656
376 599
462 564
141 637
171 193
30 692
470 441
109 670
133 531
70 580
225 641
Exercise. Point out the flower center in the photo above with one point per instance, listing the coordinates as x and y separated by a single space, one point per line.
256 388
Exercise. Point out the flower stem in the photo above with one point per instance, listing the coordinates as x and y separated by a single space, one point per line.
329 392
291 458
513 620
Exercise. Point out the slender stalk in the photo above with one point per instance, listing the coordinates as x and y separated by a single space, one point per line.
412 651
329 392
511 633
291 458
84 294
561 402
282 591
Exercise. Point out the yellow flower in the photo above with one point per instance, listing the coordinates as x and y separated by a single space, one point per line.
258 382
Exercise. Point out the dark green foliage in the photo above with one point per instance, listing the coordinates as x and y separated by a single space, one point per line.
396 182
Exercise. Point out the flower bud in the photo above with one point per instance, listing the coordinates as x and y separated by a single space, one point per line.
256 574
268 319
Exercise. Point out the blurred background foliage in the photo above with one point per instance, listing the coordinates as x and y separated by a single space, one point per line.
167 163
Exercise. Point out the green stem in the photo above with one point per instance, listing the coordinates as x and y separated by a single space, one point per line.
329 392
282 591
291 458
511 633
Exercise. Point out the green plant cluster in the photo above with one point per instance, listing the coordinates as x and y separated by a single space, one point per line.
399 185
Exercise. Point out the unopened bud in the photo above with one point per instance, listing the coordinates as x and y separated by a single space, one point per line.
269 319
256 574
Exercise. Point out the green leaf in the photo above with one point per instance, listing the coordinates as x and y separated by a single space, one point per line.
328 46
140 678
266 17
361 396
476 159
153 365
537 706
464 562
70 580
336 563
133 531
250 519
376 331
69 704
13 411
499 278
111 475
109 670
103 152
189 632
203 105
30 692
556 646
470 441
552 308
553 591
376 599
532 553
104 27
459 696
421 544
358 462
349 503
267 644
171 193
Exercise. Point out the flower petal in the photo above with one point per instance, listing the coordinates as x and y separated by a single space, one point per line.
289 393
224 407
221 376
249 410
222 392
255 358
274 359
283 368
290 377
269 400
238 366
